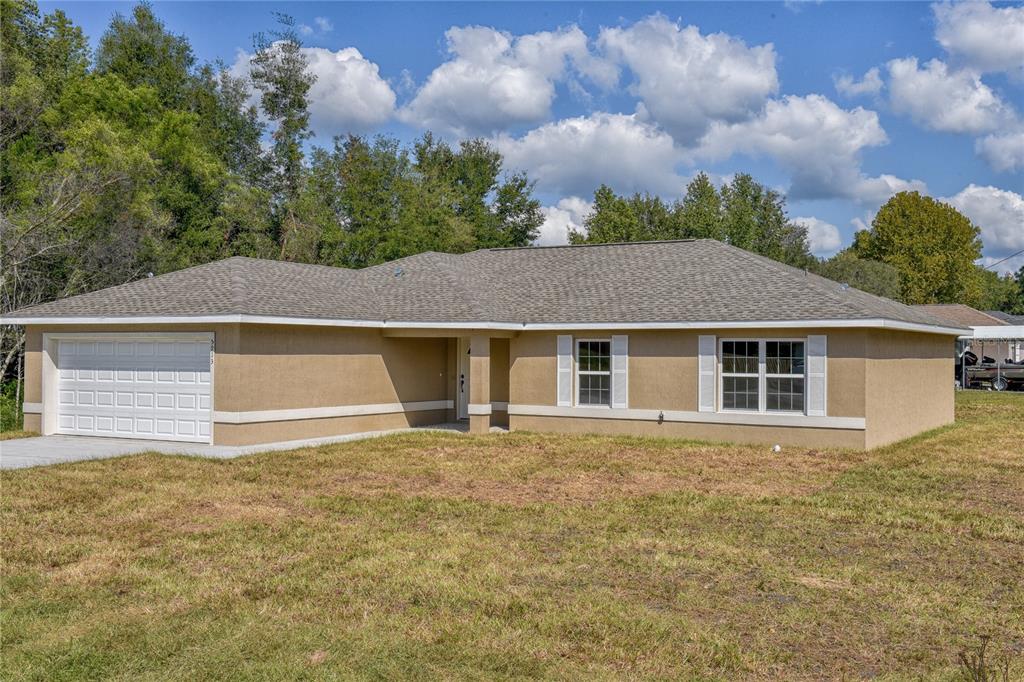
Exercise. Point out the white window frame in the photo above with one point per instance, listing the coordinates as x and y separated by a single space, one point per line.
577 371
762 375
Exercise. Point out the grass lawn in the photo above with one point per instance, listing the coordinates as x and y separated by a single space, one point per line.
445 556
11 435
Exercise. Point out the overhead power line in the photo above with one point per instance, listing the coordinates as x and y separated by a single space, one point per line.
992 265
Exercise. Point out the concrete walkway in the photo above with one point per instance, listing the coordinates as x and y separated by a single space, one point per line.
45 450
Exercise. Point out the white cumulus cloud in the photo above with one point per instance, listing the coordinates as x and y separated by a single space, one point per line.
349 95
817 141
1004 151
998 212
822 238
495 80
324 24
943 99
568 214
686 80
848 86
982 36
574 156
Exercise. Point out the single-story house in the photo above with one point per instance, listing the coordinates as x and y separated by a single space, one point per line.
689 338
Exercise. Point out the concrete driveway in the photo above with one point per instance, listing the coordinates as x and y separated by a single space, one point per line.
45 450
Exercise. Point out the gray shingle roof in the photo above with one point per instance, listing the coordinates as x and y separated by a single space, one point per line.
958 314
679 281
1007 317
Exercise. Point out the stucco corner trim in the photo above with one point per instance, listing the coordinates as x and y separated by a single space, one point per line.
476 410
260 416
735 418
32 408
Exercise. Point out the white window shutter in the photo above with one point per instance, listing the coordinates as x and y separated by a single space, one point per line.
564 370
620 371
817 355
706 360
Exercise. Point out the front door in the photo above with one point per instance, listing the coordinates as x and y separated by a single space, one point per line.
463 387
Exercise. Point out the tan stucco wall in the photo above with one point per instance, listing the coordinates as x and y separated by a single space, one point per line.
909 384
663 367
274 367
899 382
281 367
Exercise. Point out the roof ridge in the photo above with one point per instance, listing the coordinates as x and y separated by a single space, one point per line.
574 246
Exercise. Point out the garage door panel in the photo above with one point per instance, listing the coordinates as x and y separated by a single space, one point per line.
135 388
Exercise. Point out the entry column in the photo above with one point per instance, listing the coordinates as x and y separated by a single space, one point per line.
479 384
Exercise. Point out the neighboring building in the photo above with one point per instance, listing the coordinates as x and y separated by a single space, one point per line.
995 334
692 338
1016 320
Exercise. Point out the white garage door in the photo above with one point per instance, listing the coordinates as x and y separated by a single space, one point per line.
133 387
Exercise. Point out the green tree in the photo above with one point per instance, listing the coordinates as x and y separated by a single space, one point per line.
231 126
741 201
1016 304
931 244
699 214
867 275
280 71
1001 292
744 213
141 52
611 220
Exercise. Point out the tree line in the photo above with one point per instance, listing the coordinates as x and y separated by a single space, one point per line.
138 159
917 249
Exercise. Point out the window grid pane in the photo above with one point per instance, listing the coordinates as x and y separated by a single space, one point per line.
594 356
740 393
785 395
595 389
739 357
784 357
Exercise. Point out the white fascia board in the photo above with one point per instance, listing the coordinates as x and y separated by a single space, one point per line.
1001 332
877 323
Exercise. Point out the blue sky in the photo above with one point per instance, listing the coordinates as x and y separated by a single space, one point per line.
837 105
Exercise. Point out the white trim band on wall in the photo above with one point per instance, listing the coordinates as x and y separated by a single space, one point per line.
499 405
477 410
255 417
32 408
735 418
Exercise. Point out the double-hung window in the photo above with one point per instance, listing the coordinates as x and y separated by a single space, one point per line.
784 371
741 379
763 375
593 373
